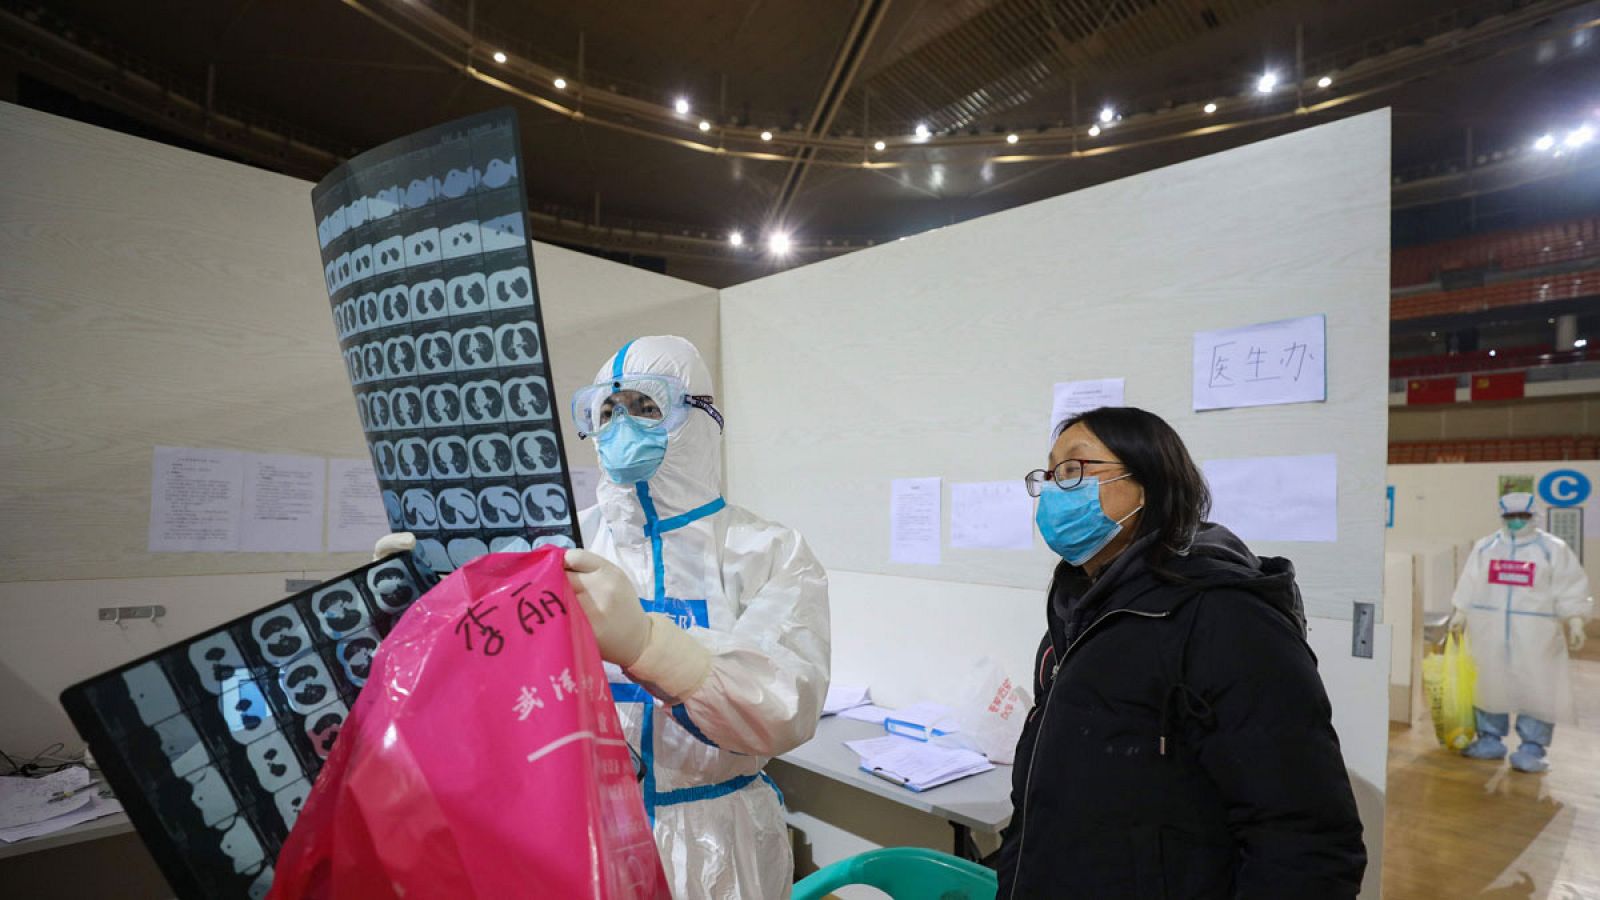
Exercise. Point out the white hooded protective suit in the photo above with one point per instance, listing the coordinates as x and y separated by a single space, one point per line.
750 592
1518 591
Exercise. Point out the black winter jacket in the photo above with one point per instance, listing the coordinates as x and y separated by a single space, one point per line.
1180 744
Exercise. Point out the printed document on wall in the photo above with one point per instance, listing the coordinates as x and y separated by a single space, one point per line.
1276 498
283 504
991 515
914 520
356 517
195 500
1072 397
1262 365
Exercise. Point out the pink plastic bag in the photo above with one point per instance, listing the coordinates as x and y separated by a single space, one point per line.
482 759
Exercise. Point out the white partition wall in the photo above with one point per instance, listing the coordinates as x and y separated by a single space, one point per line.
935 356
156 296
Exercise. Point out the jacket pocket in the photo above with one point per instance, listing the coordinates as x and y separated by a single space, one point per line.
1196 866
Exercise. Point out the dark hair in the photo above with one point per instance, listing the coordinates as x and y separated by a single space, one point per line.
1176 499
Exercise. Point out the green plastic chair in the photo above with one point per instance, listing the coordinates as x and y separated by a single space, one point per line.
904 873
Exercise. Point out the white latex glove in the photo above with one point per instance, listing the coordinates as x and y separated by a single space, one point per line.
611 602
652 649
1576 637
394 545
1458 620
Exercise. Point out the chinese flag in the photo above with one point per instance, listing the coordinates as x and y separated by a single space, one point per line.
1499 386
1430 390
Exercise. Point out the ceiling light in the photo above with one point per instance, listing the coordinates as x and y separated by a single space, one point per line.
1580 343
682 106
1492 352
736 238
1094 131
879 145
704 125
1267 83
1011 139
561 84
1579 136
778 243
1107 115
499 57
1210 108
921 131
1325 82
766 135
1545 142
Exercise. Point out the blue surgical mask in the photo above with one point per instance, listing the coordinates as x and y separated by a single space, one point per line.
1072 522
1516 525
630 452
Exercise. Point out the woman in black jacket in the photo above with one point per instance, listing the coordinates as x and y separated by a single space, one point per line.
1180 745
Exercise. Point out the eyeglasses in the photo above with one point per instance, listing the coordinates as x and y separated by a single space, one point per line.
1067 474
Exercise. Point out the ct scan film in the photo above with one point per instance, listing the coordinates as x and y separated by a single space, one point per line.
431 278
212 745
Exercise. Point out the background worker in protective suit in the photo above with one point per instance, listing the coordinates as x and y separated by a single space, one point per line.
1524 599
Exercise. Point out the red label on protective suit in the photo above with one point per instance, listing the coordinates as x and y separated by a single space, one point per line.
1511 572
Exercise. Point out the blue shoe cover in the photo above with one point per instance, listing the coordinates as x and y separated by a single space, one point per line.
1487 746
1530 758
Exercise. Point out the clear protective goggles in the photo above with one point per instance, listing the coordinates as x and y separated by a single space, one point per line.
653 401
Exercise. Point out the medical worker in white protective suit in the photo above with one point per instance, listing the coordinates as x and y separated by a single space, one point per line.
713 623
1524 599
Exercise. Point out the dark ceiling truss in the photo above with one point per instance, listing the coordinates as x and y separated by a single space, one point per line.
99 70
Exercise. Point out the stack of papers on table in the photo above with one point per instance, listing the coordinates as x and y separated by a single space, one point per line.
27 809
914 764
844 696
867 713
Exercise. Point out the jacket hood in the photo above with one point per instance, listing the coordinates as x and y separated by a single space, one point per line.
1219 559
1216 559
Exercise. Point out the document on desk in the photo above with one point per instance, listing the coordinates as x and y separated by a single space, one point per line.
916 765
867 713
844 696
24 801
96 807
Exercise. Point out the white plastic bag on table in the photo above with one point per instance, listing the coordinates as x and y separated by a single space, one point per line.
991 708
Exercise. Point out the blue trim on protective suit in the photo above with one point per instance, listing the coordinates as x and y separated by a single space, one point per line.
647 745
616 362
628 692
642 488
775 789
655 527
663 526
681 714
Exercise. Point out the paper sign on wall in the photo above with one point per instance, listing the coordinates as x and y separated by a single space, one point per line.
1261 365
991 515
195 500
1276 498
356 518
1073 397
914 520
283 504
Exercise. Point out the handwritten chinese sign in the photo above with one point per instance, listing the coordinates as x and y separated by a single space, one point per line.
1262 365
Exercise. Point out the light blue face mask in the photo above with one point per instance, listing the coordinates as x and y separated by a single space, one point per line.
1072 522
630 452
1516 525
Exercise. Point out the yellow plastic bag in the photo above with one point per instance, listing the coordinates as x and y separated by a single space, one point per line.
1449 678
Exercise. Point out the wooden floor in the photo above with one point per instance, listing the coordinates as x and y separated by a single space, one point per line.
1457 827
